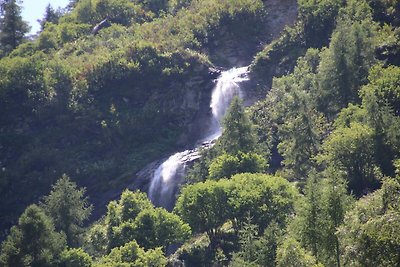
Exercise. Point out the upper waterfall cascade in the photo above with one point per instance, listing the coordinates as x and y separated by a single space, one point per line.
169 175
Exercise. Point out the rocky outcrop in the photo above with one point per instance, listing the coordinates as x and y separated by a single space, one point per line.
236 44
191 107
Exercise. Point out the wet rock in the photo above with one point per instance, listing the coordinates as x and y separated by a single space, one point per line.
103 24
213 73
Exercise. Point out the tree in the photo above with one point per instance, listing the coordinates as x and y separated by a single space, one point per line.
249 242
318 19
50 16
12 27
255 249
68 207
369 235
159 228
352 149
204 206
156 6
72 4
132 203
269 244
75 258
320 214
344 65
309 222
337 202
121 216
264 197
83 11
301 135
33 242
238 134
225 165
113 220
291 254
288 119
132 255
381 103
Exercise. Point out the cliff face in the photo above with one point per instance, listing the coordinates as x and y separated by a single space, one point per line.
236 44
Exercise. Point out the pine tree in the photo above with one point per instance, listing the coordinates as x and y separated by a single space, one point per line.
311 216
68 207
337 202
238 134
33 242
50 15
72 4
12 27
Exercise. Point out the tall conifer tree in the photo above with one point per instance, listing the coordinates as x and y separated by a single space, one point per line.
12 26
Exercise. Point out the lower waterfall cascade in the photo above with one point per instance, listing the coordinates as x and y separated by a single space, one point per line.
169 175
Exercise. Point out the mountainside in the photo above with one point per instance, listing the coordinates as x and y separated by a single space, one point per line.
305 171
99 107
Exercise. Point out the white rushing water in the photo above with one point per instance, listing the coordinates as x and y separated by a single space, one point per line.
169 175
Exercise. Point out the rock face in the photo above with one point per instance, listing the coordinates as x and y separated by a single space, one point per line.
237 44
281 13
190 104
103 24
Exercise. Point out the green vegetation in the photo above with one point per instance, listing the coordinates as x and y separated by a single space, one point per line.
33 242
12 27
307 176
100 107
68 207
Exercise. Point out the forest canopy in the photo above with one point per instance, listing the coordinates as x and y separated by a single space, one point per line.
306 171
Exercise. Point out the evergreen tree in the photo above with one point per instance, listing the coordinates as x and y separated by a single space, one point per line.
337 202
291 254
50 15
33 242
320 215
249 241
72 4
68 207
238 134
309 223
344 65
257 250
370 233
12 27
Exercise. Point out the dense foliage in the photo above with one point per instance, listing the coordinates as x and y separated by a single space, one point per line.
307 176
100 106
12 27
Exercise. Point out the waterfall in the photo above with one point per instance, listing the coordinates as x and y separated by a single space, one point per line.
169 175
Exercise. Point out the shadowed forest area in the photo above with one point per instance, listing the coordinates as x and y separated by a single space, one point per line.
306 171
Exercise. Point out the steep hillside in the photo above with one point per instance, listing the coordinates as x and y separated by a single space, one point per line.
117 94
99 107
